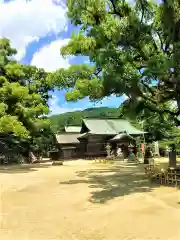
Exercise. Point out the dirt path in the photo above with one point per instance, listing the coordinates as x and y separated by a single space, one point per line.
80 201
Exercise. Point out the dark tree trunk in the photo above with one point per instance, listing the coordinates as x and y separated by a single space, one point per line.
172 158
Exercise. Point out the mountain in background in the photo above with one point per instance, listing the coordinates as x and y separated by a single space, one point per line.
74 118
155 129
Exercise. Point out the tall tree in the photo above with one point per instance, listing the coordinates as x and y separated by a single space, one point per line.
156 125
134 50
23 96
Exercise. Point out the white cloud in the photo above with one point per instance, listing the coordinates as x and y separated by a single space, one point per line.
49 58
125 97
87 61
57 109
25 21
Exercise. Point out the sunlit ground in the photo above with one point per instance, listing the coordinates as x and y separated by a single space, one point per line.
163 162
86 201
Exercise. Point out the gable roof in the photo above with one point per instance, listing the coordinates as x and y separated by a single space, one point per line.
72 129
67 138
122 136
110 126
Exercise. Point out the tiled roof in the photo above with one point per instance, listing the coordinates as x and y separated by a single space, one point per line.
122 136
67 138
72 129
110 126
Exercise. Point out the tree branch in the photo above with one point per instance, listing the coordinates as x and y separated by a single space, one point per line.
98 70
115 10
161 42
148 87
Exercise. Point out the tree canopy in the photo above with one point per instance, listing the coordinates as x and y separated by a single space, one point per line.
23 95
134 49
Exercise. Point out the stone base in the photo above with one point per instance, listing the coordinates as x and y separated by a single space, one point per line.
132 157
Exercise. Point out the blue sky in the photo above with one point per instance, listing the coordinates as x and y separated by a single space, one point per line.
38 29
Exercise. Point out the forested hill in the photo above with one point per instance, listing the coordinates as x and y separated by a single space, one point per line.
74 118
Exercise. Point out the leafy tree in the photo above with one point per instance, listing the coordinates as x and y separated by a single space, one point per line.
134 50
23 96
43 142
156 125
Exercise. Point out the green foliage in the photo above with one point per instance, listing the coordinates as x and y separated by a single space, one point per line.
157 125
43 141
129 46
173 139
23 97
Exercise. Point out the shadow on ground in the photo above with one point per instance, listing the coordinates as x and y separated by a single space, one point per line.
24 168
112 182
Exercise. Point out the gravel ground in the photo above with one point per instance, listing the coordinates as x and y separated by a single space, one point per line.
85 201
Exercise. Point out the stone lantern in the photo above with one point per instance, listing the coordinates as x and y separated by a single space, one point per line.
131 155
